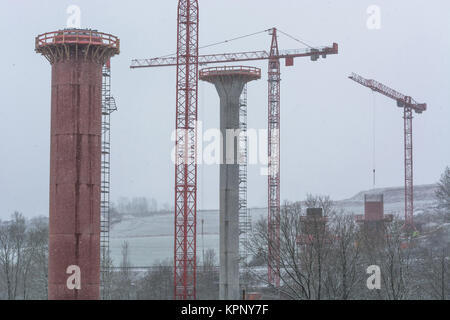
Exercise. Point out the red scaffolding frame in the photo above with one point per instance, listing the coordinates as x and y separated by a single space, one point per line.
185 244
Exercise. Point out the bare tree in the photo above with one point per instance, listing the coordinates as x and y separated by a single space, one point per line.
344 270
315 248
305 250
13 245
123 289
443 192
434 272
157 284
208 277
291 277
34 267
6 258
393 253
107 275
320 201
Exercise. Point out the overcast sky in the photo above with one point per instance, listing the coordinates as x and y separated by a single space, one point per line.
326 118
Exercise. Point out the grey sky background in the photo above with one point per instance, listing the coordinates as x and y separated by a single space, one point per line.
326 118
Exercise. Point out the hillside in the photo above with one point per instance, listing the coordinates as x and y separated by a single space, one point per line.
151 238
424 199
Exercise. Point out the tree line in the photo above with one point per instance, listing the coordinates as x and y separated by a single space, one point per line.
318 260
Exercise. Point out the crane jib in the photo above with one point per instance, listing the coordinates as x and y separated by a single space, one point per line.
171 61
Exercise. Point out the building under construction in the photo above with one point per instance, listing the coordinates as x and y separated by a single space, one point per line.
230 83
313 227
77 57
373 221
81 107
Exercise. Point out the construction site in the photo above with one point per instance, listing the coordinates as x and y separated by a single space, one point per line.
245 139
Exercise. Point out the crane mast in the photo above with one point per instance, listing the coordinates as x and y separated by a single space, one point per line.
274 74
185 251
409 105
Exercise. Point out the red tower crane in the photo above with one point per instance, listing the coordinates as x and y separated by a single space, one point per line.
273 147
408 104
187 176
185 244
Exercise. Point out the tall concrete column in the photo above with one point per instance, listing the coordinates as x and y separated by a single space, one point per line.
77 57
229 82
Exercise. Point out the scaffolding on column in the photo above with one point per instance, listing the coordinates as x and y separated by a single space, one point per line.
244 216
108 107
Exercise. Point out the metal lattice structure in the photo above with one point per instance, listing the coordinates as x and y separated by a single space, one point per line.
408 104
274 164
55 46
235 57
409 184
185 254
274 56
108 107
245 222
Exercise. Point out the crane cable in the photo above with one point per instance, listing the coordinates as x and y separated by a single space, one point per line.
202 171
374 138
233 39
246 36
259 32
295 39
222 42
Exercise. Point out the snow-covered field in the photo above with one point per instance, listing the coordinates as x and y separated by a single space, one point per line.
151 238
424 198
